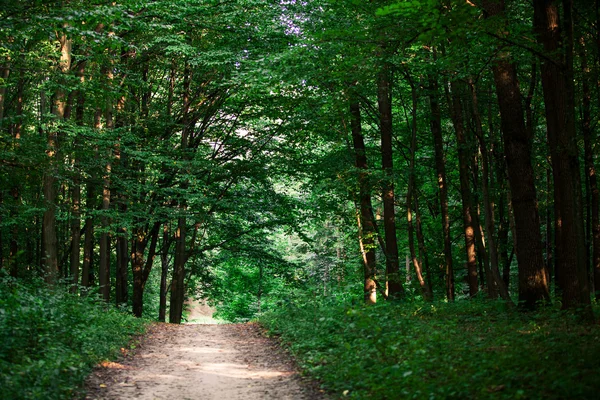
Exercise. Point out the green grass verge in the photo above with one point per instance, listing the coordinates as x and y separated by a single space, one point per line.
465 350
50 340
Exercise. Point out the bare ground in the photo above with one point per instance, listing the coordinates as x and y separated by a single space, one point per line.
229 361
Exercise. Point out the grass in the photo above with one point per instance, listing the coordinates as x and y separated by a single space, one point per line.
466 350
50 340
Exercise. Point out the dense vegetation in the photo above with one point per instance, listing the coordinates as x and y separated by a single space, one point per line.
51 339
273 156
474 350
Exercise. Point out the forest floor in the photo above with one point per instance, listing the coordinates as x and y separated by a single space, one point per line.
202 361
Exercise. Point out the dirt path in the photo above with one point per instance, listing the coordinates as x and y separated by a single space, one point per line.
179 362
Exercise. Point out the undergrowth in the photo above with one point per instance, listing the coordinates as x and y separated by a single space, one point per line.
50 339
466 350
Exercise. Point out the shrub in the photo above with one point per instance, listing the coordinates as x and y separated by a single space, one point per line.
51 339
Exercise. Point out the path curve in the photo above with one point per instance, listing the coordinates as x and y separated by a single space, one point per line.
230 361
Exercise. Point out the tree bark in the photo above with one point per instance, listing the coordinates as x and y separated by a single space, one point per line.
427 295
384 100
590 168
465 188
533 285
367 231
177 284
76 190
559 100
88 242
495 283
440 167
49 229
122 253
164 262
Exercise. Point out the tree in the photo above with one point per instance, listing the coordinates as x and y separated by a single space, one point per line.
557 82
533 284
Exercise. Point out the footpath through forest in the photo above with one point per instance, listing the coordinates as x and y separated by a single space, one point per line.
198 361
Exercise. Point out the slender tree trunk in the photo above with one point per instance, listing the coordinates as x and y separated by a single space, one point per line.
409 198
76 189
465 189
49 229
88 242
177 284
384 100
75 235
367 231
137 267
16 129
166 244
590 168
164 262
501 178
495 284
440 167
559 99
104 262
549 242
122 281
422 248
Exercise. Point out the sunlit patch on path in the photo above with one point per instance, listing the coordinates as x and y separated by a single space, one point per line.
200 361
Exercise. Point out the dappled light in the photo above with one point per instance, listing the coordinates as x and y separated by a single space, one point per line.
299 199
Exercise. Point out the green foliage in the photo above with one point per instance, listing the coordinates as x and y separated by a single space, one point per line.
51 339
465 350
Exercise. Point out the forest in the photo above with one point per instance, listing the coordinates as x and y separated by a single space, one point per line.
403 192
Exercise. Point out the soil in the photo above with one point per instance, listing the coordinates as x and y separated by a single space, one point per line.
200 361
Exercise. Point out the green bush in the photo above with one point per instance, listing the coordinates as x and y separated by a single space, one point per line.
51 339
467 350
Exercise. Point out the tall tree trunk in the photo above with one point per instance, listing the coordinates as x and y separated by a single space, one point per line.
440 167
409 197
367 231
137 267
88 242
495 284
533 285
384 100
178 284
49 229
559 99
104 262
75 235
122 281
76 190
465 188
122 247
549 242
16 129
121 163
590 168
